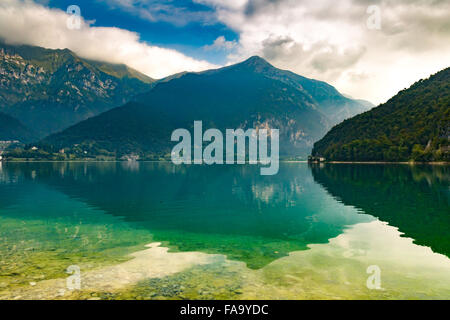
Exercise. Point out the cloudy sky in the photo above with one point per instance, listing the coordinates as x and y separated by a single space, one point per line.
368 49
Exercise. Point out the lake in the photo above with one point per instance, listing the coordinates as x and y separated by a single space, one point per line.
153 230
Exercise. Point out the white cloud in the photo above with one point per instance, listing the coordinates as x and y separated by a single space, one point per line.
323 39
221 44
329 40
26 22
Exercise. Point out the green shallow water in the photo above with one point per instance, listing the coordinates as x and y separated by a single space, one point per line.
223 232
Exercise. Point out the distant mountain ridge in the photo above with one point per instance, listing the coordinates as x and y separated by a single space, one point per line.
49 90
12 129
319 92
251 94
413 125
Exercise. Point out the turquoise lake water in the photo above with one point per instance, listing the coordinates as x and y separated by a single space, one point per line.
152 230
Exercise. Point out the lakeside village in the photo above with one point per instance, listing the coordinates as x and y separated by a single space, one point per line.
14 150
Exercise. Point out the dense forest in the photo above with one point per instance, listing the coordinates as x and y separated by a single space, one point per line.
412 126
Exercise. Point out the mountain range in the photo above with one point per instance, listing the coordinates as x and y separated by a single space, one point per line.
251 94
91 108
413 125
49 90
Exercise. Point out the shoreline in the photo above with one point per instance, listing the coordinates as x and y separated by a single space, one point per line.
285 161
386 162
